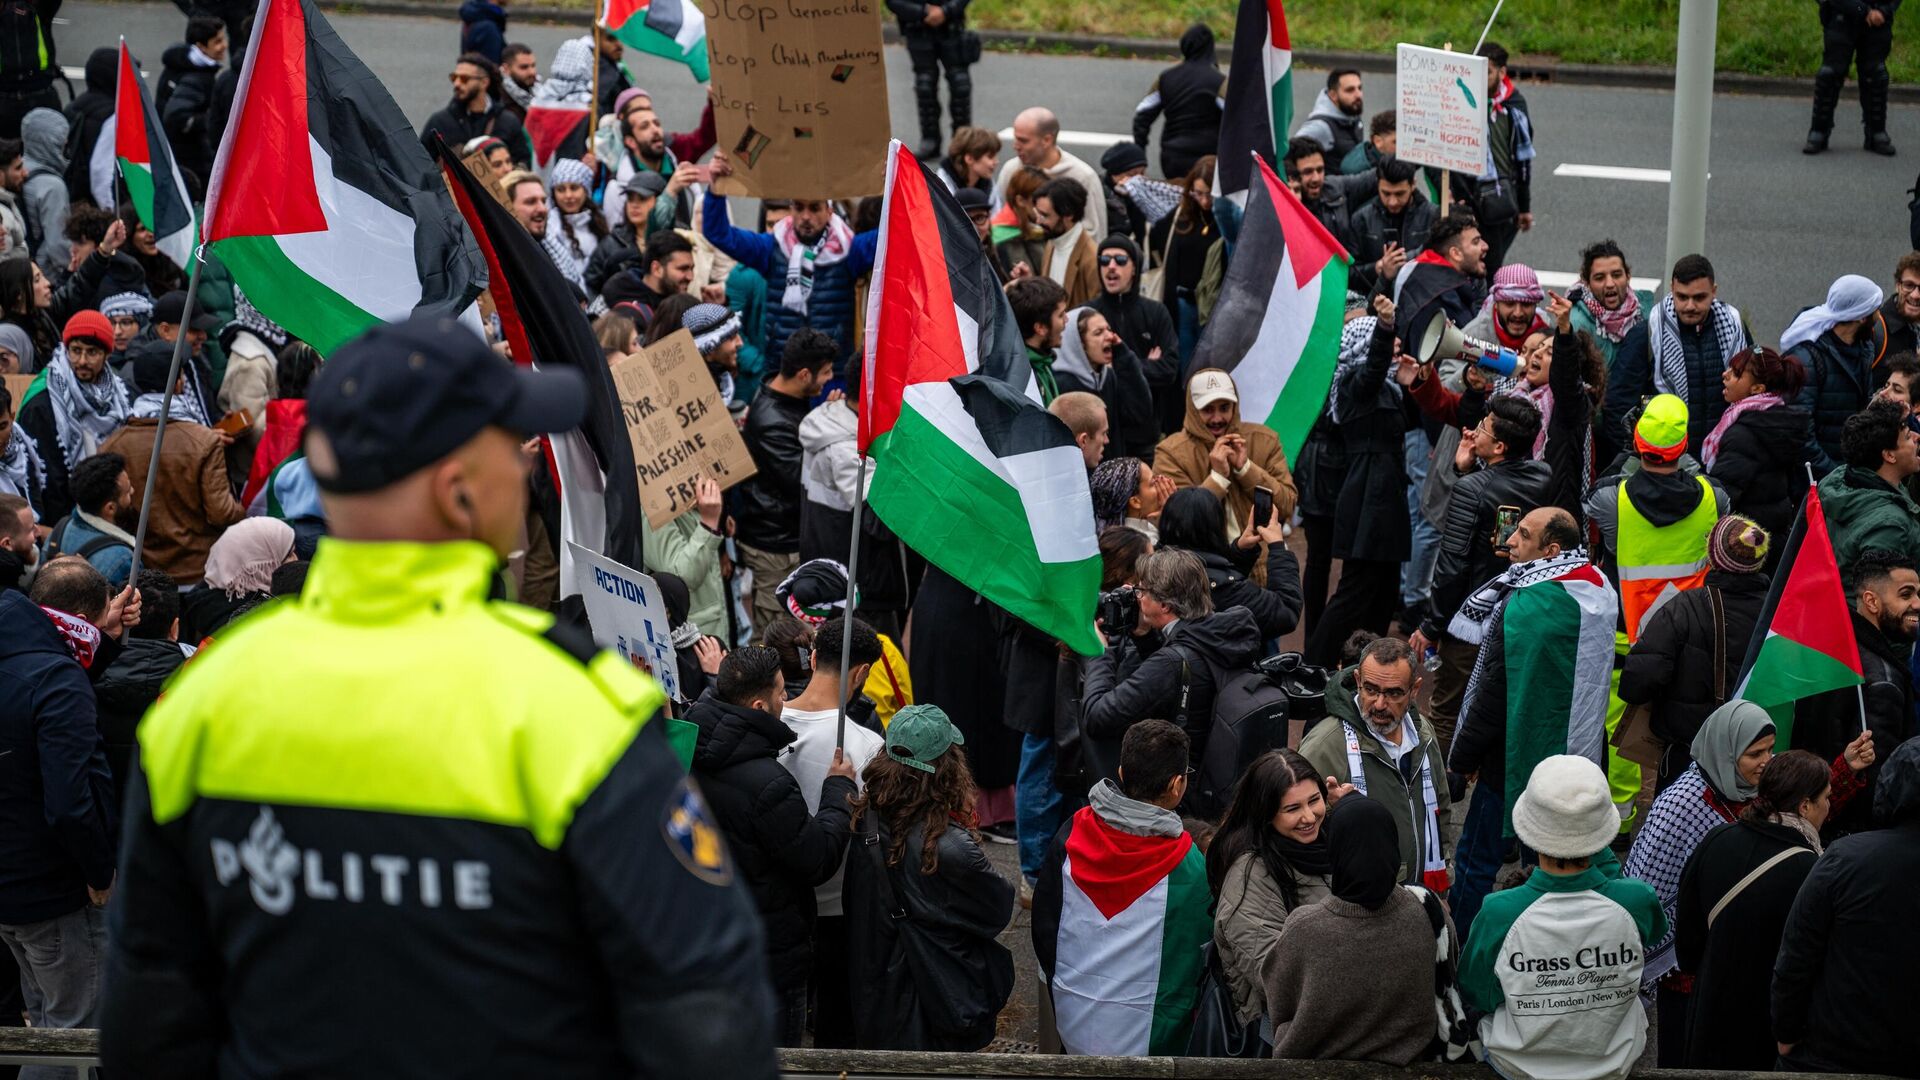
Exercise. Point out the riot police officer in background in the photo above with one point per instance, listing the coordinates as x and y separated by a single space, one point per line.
1854 31
937 37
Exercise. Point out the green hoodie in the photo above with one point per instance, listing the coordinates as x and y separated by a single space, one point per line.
1865 513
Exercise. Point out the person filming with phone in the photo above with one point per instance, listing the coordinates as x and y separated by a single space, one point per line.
1499 482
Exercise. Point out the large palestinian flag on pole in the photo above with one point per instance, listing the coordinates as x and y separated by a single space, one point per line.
145 161
1258 114
592 465
673 29
969 470
1127 953
1276 327
1558 631
323 204
1803 644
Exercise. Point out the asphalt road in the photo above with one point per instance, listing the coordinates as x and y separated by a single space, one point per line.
1780 227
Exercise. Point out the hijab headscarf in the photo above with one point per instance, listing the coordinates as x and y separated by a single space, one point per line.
15 340
569 79
1850 297
243 560
1364 847
1725 735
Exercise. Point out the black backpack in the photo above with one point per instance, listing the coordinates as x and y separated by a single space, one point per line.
87 550
1250 713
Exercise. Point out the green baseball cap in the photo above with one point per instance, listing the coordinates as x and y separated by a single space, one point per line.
918 734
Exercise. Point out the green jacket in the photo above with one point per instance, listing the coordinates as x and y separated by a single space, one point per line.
1326 747
1556 964
1865 513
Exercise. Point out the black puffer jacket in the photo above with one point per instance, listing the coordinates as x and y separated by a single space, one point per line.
1759 469
1826 723
1843 983
1840 379
767 506
781 851
1276 608
1194 651
85 116
615 252
1188 94
1467 558
953 914
185 101
124 692
1671 666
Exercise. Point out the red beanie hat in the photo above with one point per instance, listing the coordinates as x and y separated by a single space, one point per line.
89 324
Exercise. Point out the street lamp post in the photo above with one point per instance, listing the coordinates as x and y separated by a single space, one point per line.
1692 128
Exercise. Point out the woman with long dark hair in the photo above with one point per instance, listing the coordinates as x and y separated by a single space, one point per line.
1734 898
26 295
1194 519
1181 244
1268 859
1755 451
924 905
576 227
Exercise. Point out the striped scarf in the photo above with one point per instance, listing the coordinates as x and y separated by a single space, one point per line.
1433 869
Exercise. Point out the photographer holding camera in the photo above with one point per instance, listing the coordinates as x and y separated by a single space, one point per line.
1166 646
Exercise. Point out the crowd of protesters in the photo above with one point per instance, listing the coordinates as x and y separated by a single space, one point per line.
1518 812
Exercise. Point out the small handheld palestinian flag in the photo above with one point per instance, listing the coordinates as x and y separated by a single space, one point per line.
323 204
1258 112
1803 643
144 159
1276 327
969 470
673 29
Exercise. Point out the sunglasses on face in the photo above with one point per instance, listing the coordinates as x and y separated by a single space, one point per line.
1114 260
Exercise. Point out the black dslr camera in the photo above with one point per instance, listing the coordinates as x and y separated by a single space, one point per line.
1119 612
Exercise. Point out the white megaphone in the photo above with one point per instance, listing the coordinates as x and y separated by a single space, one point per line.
1441 340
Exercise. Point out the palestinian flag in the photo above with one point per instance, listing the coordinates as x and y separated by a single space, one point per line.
591 466
1127 952
556 130
969 470
1803 644
323 204
1559 649
145 162
1003 226
674 29
1276 326
1258 115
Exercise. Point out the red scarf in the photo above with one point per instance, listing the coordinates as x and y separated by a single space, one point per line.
81 636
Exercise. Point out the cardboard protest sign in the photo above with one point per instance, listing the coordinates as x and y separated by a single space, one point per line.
1442 109
678 425
17 388
800 97
628 614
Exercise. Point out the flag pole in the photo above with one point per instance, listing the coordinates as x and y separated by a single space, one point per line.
1489 27
166 407
593 111
846 623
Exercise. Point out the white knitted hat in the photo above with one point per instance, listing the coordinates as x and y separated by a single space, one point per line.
1567 810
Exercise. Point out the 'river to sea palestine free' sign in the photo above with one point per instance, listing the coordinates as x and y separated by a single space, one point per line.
629 616
799 96
1442 109
678 426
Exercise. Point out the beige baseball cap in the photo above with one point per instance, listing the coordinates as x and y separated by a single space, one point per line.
1208 387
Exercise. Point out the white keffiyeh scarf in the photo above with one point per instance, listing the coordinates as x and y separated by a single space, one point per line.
804 260
21 470
1669 355
84 413
186 406
1433 871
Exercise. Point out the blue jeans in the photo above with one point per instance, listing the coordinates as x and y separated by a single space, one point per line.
1038 806
1186 319
1416 576
60 961
1476 856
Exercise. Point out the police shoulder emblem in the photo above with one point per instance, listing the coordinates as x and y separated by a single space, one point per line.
693 837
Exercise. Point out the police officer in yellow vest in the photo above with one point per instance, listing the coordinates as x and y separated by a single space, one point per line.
1654 520
395 827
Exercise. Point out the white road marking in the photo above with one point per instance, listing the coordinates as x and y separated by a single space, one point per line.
1614 172
1556 279
1102 139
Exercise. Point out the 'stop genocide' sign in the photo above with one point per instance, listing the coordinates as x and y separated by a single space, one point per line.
1442 109
799 96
